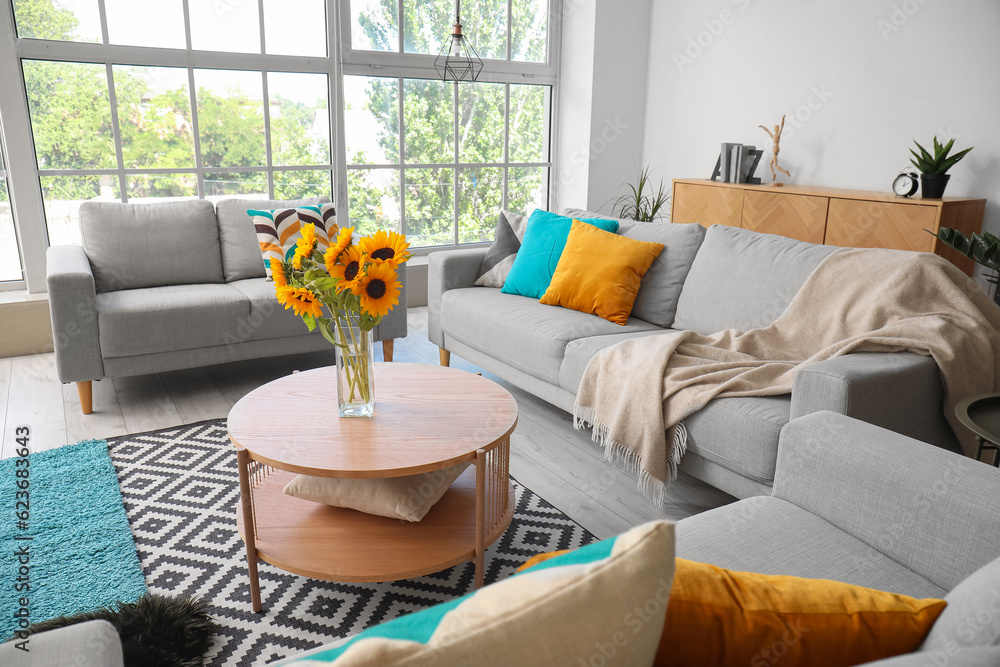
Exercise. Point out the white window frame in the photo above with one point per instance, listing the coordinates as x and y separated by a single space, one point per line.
401 65
25 188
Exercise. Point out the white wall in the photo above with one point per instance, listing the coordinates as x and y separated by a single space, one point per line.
859 80
602 100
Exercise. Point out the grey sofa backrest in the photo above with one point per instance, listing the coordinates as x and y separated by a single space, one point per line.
656 301
149 245
741 279
240 250
930 510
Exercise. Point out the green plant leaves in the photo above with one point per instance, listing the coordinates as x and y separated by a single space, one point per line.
983 248
939 163
639 206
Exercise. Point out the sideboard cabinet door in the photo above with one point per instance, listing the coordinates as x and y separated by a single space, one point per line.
868 224
707 205
799 217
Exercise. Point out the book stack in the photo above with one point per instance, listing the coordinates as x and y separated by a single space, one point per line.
737 164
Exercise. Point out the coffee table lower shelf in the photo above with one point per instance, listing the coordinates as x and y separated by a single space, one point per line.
337 544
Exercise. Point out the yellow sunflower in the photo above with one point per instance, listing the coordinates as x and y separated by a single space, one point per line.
386 247
303 302
282 292
379 289
342 243
278 273
305 246
348 268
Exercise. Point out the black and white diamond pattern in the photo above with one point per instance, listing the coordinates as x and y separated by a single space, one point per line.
181 493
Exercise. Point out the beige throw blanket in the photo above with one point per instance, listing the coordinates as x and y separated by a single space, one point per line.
635 394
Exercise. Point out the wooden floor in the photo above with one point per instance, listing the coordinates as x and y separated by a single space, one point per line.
548 456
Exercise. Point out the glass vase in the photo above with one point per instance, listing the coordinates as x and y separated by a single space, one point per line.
355 376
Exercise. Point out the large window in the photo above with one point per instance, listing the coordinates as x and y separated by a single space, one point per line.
184 99
109 125
437 160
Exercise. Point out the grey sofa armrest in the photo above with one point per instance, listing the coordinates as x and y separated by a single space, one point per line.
899 391
926 508
451 269
393 325
88 644
73 311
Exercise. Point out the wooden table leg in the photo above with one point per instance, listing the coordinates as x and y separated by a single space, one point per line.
249 526
480 516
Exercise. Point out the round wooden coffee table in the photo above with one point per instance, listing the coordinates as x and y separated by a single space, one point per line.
426 418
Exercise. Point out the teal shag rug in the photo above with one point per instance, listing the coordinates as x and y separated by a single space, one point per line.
81 555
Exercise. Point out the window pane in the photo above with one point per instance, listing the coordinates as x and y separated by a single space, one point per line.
529 30
373 199
230 118
481 124
236 183
154 117
528 130
371 119
300 119
295 27
158 186
225 25
70 115
428 206
159 23
428 121
427 25
374 25
63 196
484 23
302 184
10 257
527 189
480 192
65 20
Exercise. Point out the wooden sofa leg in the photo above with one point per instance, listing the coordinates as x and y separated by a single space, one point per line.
445 356
387 349
86 391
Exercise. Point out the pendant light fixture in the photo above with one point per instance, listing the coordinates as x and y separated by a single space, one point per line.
459 61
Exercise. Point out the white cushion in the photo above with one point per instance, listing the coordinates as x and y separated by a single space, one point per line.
408 498
603 604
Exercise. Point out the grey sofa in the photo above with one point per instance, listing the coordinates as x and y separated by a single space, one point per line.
161 287
725 278
855 503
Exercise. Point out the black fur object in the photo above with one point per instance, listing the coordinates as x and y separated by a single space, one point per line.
155 631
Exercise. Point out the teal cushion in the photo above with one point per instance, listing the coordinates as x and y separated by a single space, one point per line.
543 244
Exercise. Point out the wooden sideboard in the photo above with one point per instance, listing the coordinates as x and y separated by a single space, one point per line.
852 218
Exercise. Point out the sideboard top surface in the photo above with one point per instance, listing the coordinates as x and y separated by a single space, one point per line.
865 195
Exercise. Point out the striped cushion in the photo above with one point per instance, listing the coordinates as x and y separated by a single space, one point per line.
278 230
601 604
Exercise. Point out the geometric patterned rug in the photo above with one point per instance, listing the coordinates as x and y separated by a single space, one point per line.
181 493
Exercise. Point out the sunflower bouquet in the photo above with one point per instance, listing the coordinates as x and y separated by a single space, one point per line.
345 290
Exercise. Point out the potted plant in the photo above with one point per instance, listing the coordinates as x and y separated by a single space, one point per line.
983 248
639 205
933 168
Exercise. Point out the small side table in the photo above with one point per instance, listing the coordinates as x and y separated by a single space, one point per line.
981 415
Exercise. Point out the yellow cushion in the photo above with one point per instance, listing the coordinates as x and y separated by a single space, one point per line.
721 617
600 272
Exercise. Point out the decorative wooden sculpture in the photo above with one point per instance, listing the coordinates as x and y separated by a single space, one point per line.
776 138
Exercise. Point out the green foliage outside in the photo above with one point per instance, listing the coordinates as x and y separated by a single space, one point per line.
430 133
72 128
